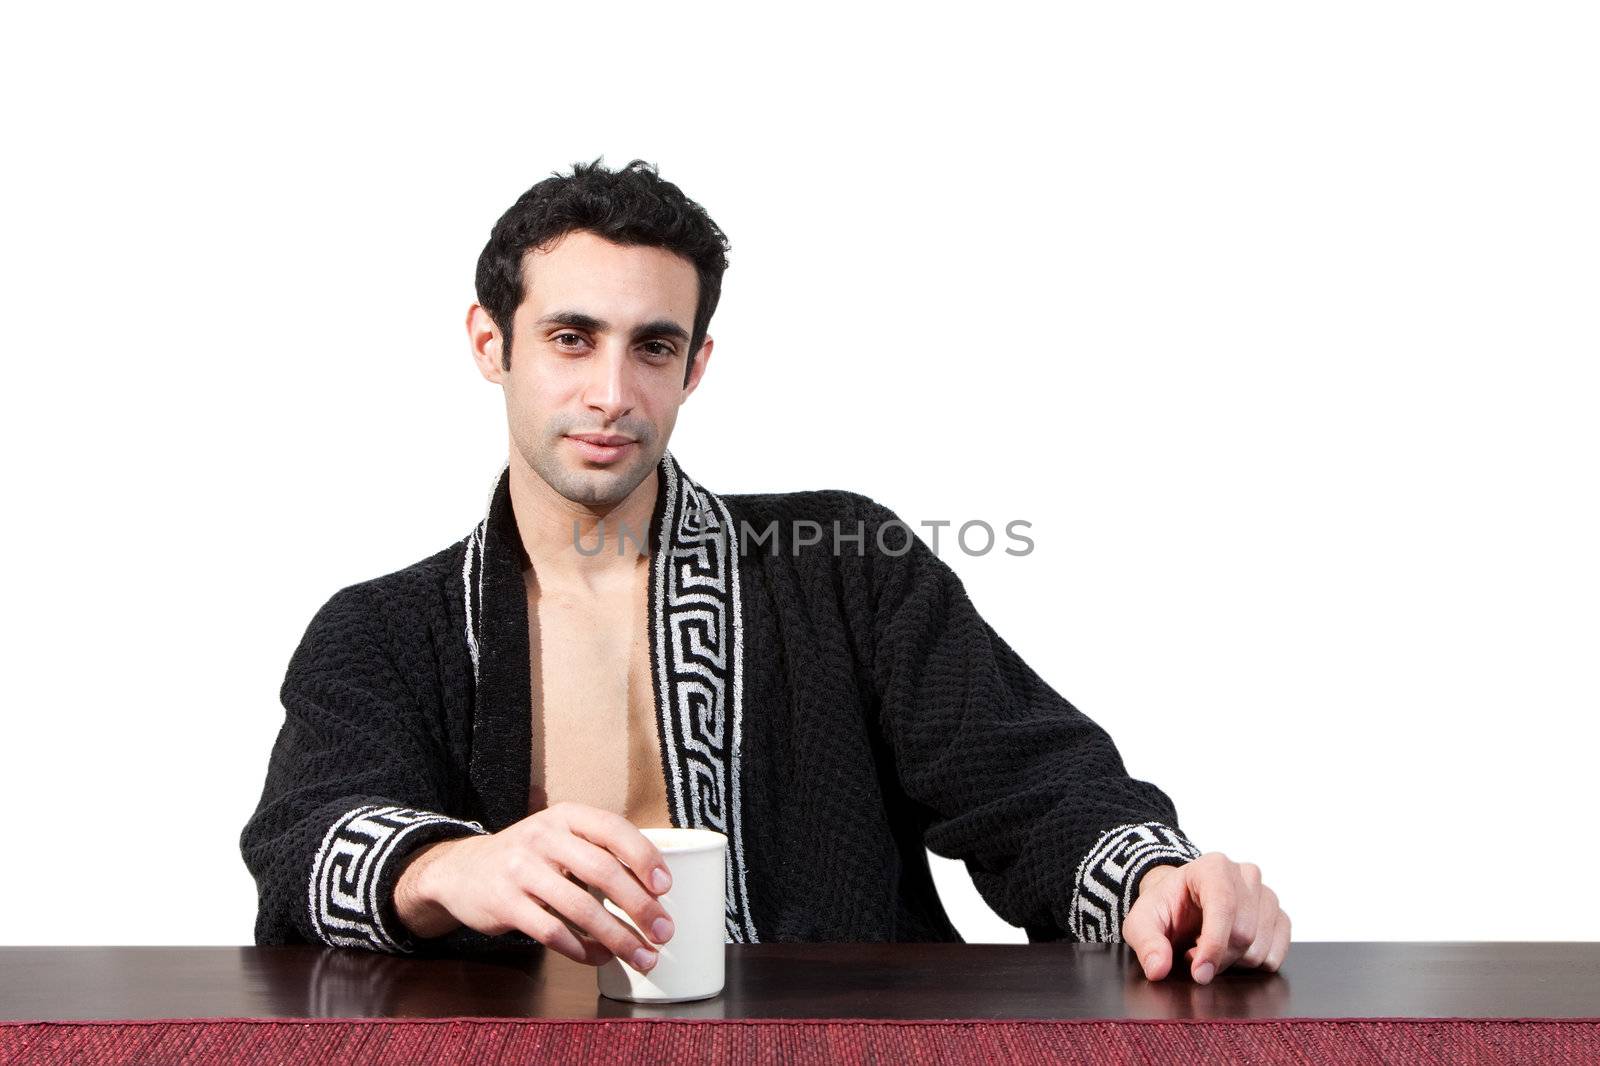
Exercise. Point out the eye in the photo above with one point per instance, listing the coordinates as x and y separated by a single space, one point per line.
658 349
568 340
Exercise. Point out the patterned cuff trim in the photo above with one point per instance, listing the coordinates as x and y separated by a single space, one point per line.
1109 874
345 908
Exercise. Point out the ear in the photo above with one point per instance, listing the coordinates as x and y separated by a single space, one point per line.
486 341
698 371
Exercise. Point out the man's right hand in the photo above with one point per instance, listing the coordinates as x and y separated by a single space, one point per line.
517 879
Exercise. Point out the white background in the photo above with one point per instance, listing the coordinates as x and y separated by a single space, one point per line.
1279 325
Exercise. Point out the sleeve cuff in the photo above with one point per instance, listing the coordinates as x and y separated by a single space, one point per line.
1109 875
353 875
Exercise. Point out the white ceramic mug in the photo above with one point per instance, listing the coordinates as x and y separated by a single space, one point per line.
690 965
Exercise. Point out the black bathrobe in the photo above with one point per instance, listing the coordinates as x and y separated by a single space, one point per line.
833 703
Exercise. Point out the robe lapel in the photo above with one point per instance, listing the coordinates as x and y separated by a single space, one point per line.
696 666
497 640
698 635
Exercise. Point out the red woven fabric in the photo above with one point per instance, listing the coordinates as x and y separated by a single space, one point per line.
1400 1041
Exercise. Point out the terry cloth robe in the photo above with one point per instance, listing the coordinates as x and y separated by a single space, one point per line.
831 711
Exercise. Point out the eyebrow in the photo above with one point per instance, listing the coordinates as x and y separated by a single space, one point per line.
661 327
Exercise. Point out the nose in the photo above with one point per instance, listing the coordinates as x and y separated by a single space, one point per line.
609 389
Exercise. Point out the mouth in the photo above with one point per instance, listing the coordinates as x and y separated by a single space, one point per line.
601 447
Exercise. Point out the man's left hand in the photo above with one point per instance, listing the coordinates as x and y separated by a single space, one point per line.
1219 905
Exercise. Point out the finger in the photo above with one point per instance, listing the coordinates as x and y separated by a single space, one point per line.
533 917
1280 943
622 838
599 869
1224 915
1251 873
1266 927
1146 930
586 912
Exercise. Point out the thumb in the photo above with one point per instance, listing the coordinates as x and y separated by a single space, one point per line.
1145 931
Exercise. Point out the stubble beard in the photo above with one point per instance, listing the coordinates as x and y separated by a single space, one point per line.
597 487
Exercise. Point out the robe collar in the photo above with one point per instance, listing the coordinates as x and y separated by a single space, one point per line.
696 665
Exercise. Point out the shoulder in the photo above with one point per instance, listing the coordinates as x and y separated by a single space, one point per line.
831 526
401 605
814 504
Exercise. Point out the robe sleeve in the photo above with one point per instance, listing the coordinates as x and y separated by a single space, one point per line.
1005 774
355 784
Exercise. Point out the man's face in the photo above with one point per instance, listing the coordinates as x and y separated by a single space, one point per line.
600 343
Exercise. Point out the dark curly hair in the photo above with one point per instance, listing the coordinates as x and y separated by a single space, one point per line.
628 206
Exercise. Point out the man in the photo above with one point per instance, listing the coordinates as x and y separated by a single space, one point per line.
470 741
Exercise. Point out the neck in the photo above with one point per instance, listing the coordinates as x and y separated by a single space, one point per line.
553 528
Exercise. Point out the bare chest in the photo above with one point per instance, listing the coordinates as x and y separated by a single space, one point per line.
595 736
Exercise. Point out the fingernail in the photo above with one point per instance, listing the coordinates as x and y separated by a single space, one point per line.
660 880
1149 962
1204 972
643 959
662 930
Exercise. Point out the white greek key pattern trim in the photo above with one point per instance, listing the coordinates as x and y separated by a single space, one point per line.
472 568
342 891
1103 890
699 646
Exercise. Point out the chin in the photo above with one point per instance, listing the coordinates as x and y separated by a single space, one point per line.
599 486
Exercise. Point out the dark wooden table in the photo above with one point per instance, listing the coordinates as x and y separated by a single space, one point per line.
1061 980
